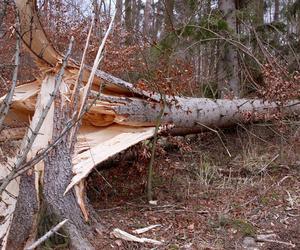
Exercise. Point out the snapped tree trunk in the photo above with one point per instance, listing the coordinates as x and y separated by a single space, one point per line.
118 118
58 174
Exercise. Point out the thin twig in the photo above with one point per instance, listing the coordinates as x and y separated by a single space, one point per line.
153 149
47 235
75 94
218 134
9 97
97 61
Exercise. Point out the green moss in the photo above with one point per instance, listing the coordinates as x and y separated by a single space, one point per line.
244 227
173 247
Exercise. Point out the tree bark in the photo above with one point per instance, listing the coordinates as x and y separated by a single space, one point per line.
259 12
168 16
185 112
119 6
128 21
24 222
147 12
228 66
58 174
276 10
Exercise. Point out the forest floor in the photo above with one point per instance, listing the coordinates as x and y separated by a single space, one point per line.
235 189
239 189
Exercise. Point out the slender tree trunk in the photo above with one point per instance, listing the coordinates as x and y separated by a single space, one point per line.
168 16
228 66
146 25
276 11
119 10
259 12
96 12
137 18
157 21
128 21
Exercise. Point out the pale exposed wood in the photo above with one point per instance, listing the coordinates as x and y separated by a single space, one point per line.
44 135
118 233
145 229
8 203
97 145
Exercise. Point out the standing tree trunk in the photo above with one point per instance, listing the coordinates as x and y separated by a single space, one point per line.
276 11
58 174
119 10
42 203
137 16
128 21
157 21
147 21
259 12
228 66
24 223
168 16
96 12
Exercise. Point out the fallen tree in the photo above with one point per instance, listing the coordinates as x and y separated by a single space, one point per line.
119 116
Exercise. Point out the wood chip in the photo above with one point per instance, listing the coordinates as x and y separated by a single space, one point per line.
145 229
118 233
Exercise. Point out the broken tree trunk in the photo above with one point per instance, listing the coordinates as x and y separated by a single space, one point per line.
119 117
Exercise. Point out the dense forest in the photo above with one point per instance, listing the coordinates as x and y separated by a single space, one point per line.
150 124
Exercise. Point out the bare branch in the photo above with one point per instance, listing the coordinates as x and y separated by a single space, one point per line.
47 235
9 97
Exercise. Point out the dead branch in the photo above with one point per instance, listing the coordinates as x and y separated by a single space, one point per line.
9 97
47 235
